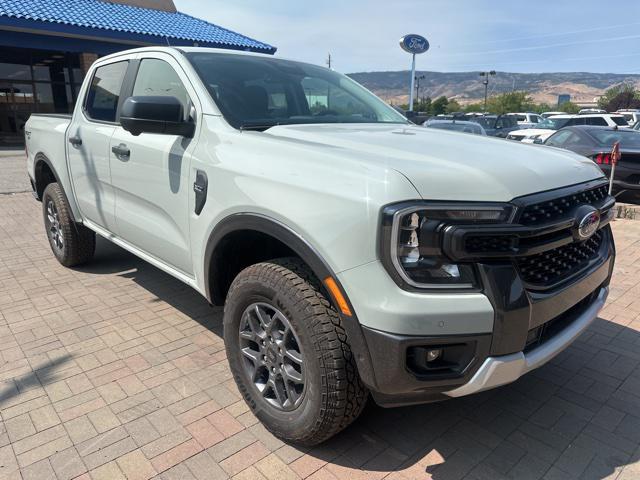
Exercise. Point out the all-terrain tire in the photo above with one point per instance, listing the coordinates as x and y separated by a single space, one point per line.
334 395
71 243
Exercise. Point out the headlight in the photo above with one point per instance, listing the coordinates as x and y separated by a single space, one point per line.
412 242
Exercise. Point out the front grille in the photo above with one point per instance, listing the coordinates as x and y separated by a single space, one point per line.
555 265
490 243
558 208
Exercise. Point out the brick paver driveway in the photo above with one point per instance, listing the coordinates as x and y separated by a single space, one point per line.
117 370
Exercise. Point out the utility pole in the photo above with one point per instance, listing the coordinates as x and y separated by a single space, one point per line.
329 60
485 82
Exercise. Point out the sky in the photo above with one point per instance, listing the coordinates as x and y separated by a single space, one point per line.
465 35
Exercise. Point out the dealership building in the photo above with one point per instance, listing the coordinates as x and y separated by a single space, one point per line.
46 47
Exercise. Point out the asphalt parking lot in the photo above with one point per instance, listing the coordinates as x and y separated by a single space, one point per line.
117 370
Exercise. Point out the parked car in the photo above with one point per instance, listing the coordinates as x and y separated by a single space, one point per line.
550 125
550 114
354 253
527 120
596 143
631 116
456 125
497 125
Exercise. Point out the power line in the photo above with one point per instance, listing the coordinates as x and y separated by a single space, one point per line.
557 34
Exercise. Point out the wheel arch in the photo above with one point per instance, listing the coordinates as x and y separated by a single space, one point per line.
241 223
45 173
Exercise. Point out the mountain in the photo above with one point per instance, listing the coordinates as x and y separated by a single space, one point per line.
467 87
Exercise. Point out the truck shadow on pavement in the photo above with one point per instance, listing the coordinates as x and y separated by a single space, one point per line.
576 417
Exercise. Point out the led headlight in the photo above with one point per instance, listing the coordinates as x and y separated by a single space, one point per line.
412 242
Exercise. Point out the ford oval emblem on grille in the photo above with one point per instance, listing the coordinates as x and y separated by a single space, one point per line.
588 224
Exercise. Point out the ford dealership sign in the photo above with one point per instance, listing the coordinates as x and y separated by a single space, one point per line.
413 43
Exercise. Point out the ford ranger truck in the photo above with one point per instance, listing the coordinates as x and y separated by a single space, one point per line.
356 255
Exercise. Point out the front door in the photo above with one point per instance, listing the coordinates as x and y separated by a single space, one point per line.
150 173
88 140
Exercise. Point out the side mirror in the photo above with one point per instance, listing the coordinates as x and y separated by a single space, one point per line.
538 141
155 114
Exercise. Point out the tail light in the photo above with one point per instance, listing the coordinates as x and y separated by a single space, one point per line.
603 158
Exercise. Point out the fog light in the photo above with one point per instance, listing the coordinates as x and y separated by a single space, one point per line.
433 355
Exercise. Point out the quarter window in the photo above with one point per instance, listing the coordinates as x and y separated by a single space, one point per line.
599 121
158 78
104 92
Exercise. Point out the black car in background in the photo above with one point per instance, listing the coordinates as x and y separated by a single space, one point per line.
498 125
596 143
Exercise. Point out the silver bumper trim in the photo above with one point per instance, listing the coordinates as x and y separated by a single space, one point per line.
497 371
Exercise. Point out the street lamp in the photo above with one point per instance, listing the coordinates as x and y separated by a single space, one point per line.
485 82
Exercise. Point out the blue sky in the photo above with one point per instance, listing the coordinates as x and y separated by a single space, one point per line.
506 35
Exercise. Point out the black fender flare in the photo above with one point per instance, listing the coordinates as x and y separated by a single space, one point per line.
302 248
38 160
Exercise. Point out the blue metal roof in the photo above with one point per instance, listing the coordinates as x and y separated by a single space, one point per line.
125 21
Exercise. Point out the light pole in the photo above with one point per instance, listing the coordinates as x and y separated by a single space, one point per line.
418 78
485 82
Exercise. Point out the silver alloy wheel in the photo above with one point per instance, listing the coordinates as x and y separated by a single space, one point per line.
273 358
53 224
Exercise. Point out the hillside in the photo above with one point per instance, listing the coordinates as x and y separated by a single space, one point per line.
467 87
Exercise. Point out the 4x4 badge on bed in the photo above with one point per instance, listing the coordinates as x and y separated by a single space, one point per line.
588 224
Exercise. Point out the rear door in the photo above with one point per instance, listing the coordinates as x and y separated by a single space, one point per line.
152 182
88 138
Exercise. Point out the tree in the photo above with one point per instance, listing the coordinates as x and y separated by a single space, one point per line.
569 107
453 106
439 105
620 96
510 102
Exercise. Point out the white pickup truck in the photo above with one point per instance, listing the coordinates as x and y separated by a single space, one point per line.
357 255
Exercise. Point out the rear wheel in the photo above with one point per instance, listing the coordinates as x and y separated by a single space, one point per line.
289 353
71 243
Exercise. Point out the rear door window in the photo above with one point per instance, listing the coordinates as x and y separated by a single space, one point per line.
620 121
104 92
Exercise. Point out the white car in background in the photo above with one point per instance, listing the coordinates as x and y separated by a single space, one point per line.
632 116
528 120
551 125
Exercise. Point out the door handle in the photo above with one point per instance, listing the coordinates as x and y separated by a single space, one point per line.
76 141
121 150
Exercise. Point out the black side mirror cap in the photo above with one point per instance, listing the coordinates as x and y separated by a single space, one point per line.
155 114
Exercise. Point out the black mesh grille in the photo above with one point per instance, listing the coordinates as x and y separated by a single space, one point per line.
558 207
490 243
555 265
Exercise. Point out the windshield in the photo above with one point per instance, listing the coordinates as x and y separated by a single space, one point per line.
259 92
606 138
553 123
458 127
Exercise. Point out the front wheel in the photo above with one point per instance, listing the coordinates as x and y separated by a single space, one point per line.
289 353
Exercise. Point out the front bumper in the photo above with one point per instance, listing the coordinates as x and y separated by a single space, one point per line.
503 369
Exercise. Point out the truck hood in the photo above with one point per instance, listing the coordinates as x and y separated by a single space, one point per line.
445 165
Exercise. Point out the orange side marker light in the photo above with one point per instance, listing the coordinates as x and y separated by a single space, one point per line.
337 296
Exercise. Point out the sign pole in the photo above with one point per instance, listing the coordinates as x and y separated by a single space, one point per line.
615 156
413 79
413 44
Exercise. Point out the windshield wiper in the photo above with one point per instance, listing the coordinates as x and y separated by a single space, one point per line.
258 126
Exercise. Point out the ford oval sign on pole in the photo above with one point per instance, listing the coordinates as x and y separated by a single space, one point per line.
414 44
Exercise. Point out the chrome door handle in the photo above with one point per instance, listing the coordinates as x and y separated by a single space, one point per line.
121 150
